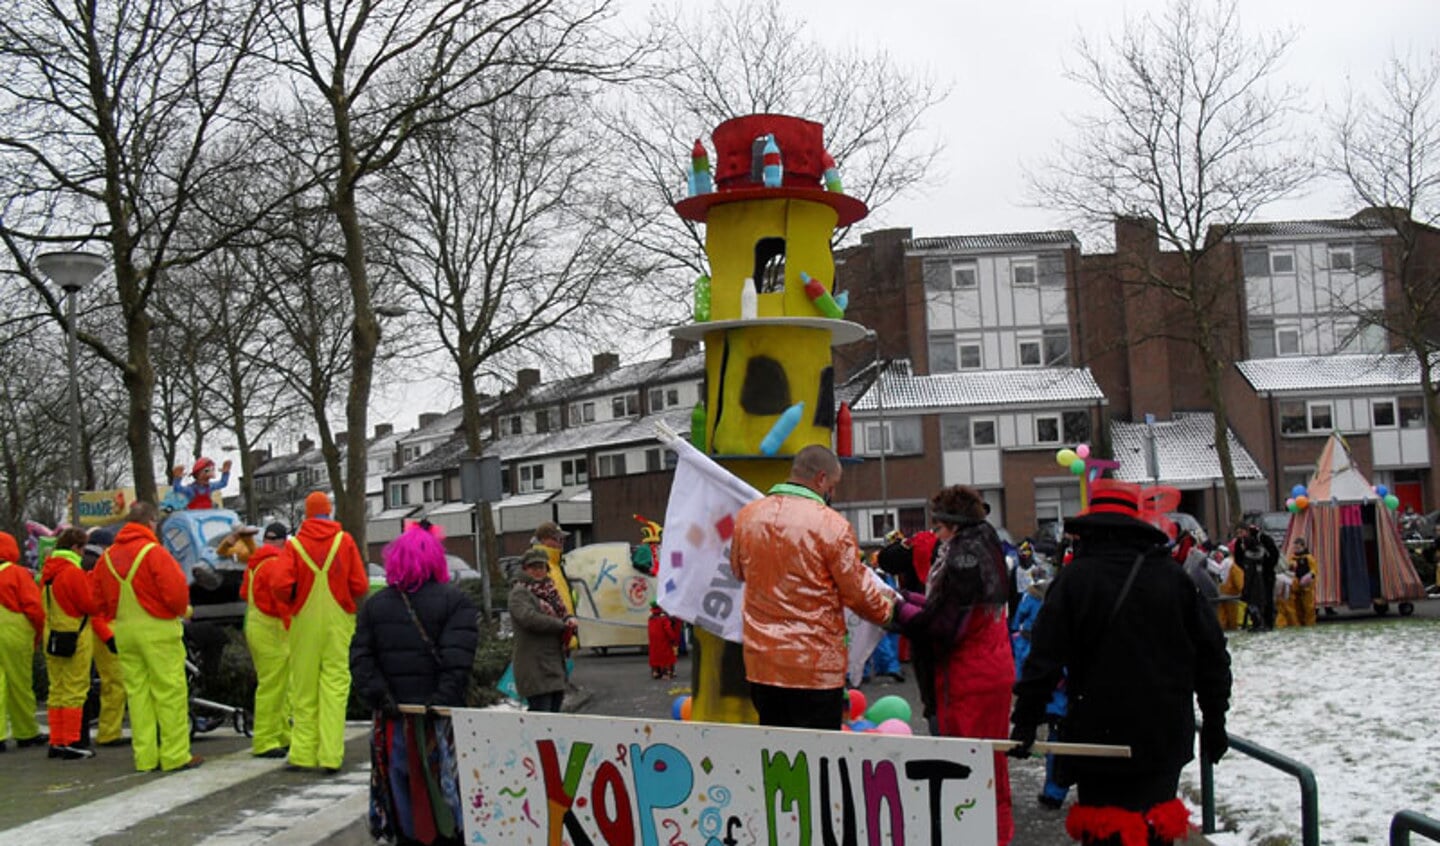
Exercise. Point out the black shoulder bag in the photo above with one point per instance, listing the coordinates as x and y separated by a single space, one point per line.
63 644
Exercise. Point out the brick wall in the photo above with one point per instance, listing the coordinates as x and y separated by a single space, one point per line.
875 274
906 477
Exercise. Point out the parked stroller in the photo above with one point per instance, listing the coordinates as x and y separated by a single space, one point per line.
207 715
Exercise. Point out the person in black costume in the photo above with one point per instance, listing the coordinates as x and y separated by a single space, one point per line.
1257 553
1140 645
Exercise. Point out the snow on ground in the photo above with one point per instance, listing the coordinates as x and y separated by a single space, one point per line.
1357 702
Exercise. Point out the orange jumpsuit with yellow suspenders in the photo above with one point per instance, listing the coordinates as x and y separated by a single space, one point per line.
22 618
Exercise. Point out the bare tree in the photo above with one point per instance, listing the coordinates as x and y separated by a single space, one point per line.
111 111
750 57
384 73
1190 133
1386 149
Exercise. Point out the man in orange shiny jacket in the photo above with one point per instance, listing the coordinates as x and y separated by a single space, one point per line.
801 567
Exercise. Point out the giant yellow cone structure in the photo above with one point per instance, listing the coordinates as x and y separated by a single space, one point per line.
766 349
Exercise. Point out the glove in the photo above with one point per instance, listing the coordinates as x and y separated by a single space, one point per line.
912 596
389 709
1213 741
906 612
1024 737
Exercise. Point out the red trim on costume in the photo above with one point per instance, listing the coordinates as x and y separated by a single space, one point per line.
1100 823
1170 820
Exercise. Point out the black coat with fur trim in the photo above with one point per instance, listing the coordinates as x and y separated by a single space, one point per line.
1133 680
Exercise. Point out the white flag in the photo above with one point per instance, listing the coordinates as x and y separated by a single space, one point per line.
693 580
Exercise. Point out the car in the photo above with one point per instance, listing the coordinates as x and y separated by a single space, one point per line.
1187 523
1275 524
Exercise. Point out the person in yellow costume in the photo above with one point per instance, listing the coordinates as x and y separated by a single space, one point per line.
550 539
321 577
267 633
22 618
1304 566
111 705
1231 609
69 604
141 588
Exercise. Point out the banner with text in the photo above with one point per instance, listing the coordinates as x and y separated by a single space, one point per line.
101 508
693 580
564 780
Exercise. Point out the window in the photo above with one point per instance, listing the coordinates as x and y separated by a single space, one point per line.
399 495
954 431
1262 337
582 412
1256 261
1412 412
970 357
962 274
1022 273
547 419
517 426
1382 414
1050 270
1056 347
900 436
672 397
1047 430
672 458
1368 259
652 460
1282 261
942 354
1342 258
1322 416
877 438
574 471
429 490
1287 340
532 477
1075 426
610 465
627 405
982 433
1292 418
881 524
1029 353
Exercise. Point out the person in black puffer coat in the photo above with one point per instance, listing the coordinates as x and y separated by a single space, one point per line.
414 645
1141 646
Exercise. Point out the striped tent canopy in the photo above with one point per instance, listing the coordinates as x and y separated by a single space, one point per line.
1354 537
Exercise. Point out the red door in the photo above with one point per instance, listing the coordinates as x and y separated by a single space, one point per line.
1412 495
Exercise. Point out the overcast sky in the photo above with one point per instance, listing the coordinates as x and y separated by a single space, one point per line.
1009 102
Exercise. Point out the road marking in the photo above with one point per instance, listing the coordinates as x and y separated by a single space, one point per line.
305 817
120 811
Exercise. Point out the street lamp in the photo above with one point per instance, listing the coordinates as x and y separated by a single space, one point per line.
879 386
72 271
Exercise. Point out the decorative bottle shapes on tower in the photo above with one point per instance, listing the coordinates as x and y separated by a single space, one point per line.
697 426
832 174
773 173
701 181
749 300
844 432
821 297
702 298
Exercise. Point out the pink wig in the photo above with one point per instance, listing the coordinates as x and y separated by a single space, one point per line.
414 558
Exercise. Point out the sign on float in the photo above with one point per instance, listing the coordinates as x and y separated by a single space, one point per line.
557 779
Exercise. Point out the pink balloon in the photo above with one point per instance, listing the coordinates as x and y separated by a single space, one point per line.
1083 450
894 726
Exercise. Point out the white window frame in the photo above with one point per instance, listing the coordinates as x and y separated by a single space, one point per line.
1059 431
979 355
517 425
1016 265
1282 254
883 429
1310 407
1394 413
994 432
657 399
1039 352
672 397
1280 331
1349 264
605 465
963 269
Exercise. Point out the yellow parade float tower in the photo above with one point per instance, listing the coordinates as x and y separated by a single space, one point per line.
768 315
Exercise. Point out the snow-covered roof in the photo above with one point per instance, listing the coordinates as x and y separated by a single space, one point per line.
1048 385
1331 372
1057 238
534 498
627 430
444 457
1185 448
615 380
1343 227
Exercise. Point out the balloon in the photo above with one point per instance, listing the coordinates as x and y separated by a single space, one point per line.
861 726
1066 457
1083 450
857 704
888 707
1382 491
676 706
1392 501
1291 506
685 709
1077 467
1298 490
846 727
1302 502
893 726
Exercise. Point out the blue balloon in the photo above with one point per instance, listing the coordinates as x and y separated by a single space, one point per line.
861 725
1298 490
675 707
1381 490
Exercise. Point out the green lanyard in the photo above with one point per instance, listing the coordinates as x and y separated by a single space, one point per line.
797 490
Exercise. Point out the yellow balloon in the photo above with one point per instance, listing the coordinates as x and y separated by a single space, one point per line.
1066 457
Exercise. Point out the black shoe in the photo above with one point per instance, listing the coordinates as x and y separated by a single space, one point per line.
71 753
331 770
41 739
277 752
897 676
1048 802
122 741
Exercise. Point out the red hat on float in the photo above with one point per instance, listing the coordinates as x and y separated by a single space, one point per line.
802 153
1114 505
201 464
